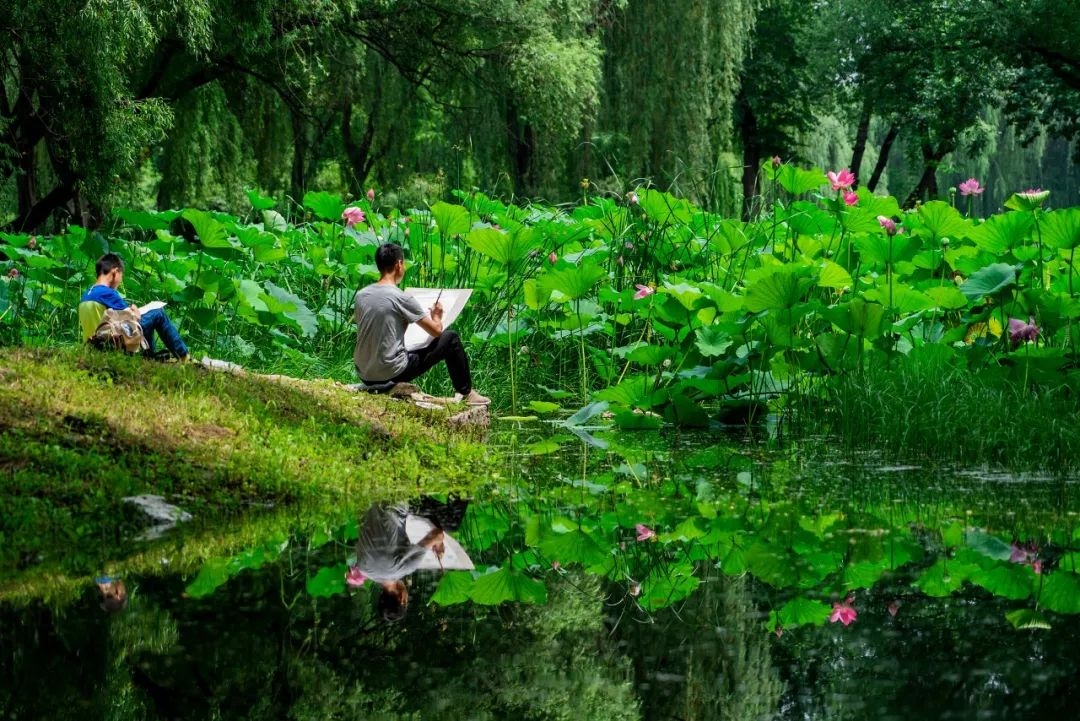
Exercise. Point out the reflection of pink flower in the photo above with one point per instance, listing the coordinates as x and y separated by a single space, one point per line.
555 565
844 612
643 291
887 224
354 577
850 198
552 257
644 533
971 187
1021 331
13 273
1028 554
842 180
894 607
353 216
371 195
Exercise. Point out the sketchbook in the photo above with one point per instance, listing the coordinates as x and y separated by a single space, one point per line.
454 556
152 305
453 300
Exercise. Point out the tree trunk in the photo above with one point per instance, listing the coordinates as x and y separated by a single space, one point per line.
883 157
522 141
748 132
859 150
927 187
298 177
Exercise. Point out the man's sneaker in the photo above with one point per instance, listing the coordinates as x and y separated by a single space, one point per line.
473 399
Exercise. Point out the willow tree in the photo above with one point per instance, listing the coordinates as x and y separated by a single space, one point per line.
671 75
91 89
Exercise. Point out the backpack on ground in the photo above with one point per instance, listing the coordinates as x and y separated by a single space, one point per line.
120 329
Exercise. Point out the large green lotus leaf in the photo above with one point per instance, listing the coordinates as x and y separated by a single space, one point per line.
274 221
279 300
905 299
833 275
1060 228
454 587
863 574
573 282
685 413
665 208
145 220
858 317
988 545
507 584
258 201
876 205
324 205
712 341
803 611
575 546
650 355
1012 581
807 218
666 585
989 280
329 581
1061 592
797 181
880 250
944 578
967 259
213 574
861 220
946 297
1026 618
943 220
686 293
451 219
771 564
632 421
1001 232
485 526
781 288
212 233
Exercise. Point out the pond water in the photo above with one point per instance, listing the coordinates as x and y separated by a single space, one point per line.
636 576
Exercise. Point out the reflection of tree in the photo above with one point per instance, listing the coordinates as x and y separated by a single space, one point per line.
243 653
708 660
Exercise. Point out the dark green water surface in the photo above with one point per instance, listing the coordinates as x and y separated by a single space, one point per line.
960 588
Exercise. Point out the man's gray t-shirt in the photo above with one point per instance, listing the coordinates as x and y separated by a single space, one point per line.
383 312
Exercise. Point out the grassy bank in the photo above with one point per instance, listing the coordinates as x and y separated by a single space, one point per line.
80 430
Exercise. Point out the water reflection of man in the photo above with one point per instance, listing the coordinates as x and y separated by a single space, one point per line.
385 554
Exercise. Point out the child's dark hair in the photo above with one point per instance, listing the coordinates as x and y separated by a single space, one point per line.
108 263
390 606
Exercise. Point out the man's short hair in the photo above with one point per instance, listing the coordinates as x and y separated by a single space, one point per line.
387 256
108 263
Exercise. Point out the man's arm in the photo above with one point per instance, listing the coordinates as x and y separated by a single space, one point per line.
432 323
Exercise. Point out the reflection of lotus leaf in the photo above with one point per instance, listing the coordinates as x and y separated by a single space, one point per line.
507 584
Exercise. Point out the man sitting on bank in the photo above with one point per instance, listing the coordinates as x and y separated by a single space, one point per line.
383 312
103 294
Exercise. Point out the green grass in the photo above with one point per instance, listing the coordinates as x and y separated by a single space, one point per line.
929 407
81 429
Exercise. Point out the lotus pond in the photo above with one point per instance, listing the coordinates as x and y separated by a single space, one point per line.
653 575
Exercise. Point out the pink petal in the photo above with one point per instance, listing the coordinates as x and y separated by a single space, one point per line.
643 291
644 533
354 577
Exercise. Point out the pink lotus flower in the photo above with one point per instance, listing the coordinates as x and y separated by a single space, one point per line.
371 195
971 187
555 565
850 198
13 273
32 243
776 161
354 577
842 180
1021 331
887 224
643 291
635 589
1023 552
632 198
1036 566
844 612
1036 195
353 216
644 533
779 630
552 257
894 607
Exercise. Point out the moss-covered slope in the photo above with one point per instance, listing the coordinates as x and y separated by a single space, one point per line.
80 429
